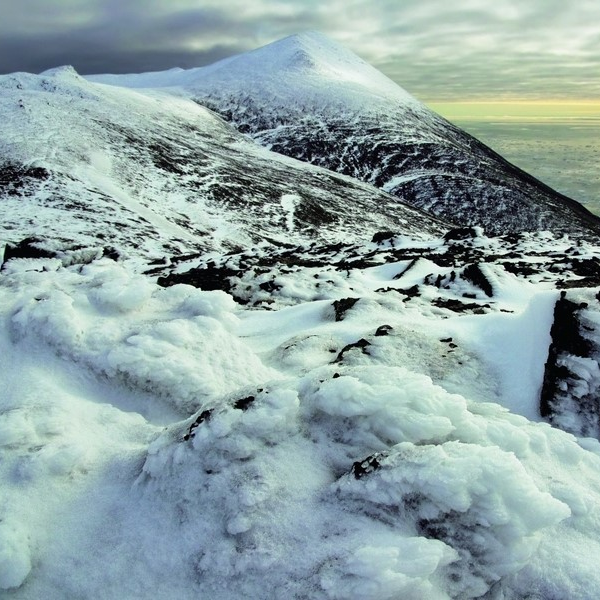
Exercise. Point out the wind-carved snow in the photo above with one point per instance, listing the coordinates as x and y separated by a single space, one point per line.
346 440
515 345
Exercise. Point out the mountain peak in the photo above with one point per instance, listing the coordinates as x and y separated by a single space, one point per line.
301 70
309 36
308 67
318 51
64 71
311 44
314 55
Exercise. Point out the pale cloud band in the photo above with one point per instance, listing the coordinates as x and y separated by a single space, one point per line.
476 49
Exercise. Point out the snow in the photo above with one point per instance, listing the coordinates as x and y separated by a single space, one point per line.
98 176
15 559
513 343
307 97
344 419
137 417
174 340
288 203
162 174
308 59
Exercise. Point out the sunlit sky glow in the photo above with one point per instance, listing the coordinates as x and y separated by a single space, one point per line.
437 50
535 111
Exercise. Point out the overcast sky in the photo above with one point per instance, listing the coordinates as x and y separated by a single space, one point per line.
476 49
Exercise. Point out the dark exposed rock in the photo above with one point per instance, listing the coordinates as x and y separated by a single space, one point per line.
16 179
205 415
589 269
362 344
565 329
411 292
383 330
355 263
460 233
27 248
269 286
185 257
112 253
460 307
382 236
208 278
244 403
520 268
474 274
566 337
412 263
561 389
342 306
165 159
313 213
366 466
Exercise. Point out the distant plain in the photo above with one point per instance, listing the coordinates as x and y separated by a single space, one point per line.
558 144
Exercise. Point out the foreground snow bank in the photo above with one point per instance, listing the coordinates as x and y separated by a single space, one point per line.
15 557
360 482
286 469
178 343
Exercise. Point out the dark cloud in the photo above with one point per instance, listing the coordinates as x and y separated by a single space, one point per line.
90 56
435 49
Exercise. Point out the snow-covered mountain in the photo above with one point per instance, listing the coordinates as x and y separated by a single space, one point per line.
229 374
164 174
311 99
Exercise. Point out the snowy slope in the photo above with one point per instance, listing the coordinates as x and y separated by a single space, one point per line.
335 427
164 174
309 98
227 374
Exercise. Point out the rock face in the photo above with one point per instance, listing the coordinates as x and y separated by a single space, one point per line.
308 98
569 397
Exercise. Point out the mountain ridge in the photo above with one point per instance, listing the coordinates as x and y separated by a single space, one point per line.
78 149
300 55
387 139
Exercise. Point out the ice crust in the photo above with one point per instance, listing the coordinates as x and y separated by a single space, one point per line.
275 476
